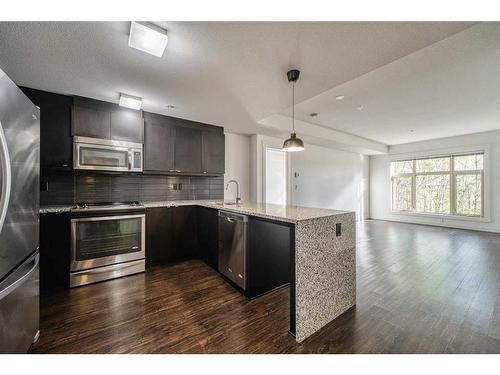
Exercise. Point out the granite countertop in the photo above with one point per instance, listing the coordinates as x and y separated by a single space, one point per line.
56 209
285 213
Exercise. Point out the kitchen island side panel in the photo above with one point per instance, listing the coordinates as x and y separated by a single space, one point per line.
325 271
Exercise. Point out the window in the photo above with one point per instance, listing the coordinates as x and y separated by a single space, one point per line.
445 185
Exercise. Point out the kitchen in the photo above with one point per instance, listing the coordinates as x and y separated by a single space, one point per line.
122 190
264 187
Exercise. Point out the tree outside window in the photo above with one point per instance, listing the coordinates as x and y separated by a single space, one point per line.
450 185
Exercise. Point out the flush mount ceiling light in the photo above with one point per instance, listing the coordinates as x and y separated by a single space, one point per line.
130 101
148 38
340 97
293 144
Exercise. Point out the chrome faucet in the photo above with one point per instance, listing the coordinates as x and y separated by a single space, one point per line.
238 197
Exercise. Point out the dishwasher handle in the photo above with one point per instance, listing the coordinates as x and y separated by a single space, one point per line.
232 217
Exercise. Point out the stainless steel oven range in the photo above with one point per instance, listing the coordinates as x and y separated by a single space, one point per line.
107 241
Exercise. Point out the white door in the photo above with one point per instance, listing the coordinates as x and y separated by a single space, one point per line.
275 189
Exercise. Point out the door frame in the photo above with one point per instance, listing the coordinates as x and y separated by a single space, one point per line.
276 145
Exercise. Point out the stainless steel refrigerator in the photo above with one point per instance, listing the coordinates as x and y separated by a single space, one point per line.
19 205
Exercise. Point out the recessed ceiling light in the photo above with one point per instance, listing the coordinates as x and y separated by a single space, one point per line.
148 38
314 114
130 101
339 97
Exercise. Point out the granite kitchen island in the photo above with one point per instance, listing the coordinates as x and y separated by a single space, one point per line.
322 257
323 261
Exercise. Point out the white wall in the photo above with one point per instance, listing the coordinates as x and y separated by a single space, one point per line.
380 185
237 165
328 178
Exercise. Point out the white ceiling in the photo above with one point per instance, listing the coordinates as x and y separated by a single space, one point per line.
233 74
449 88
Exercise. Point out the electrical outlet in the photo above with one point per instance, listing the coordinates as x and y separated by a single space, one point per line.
180 186
338 229
44 185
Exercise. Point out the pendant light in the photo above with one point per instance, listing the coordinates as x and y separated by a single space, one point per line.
293 144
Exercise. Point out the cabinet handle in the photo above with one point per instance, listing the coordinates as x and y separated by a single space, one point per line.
129 160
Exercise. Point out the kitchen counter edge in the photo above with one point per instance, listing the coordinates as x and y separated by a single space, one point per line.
312 213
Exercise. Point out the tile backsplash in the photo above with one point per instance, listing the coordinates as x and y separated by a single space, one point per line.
71 187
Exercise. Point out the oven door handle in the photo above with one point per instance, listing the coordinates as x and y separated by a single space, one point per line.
105 218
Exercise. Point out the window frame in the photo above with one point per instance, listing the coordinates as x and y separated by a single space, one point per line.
452 173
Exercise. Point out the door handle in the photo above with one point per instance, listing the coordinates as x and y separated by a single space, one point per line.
5 292
6 177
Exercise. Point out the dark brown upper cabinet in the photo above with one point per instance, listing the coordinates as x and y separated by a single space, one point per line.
127 125
178 146
56 147
159 143
97 119
213 153
188 153
91 118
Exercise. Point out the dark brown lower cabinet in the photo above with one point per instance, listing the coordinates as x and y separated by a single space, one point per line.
179 233
184 231
268 255
208 236
55 244
171 234
159 239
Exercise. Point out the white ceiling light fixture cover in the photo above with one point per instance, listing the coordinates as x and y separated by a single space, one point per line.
130 101
148 38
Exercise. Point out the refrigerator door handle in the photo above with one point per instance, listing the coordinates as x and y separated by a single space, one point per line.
7 290
5 177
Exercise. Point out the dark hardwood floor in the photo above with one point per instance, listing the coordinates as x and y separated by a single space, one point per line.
421 289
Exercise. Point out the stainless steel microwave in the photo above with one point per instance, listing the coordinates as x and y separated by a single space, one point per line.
106 155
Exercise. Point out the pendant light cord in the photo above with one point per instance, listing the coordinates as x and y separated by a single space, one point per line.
293 106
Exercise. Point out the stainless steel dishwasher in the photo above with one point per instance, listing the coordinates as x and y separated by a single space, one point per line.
232 247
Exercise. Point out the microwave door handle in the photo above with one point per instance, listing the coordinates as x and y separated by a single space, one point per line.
5 176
